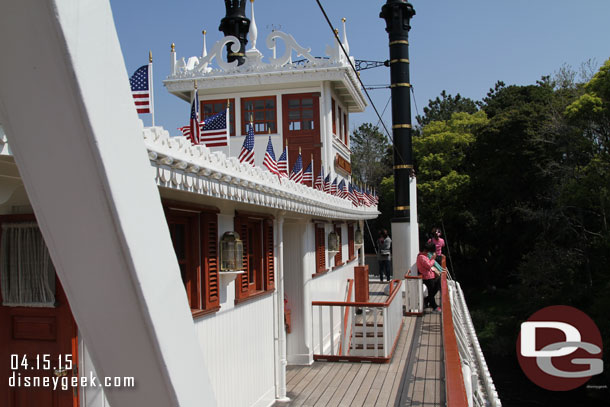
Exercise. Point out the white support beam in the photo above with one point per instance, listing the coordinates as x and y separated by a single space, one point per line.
67 110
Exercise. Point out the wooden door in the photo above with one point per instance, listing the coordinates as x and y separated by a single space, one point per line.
34 333
301 129
255 257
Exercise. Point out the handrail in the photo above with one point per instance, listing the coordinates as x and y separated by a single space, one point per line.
394 289
454 379
346 313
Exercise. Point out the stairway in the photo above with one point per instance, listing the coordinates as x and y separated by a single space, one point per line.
367 340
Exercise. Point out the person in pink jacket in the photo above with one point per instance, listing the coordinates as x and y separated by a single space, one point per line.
438 243
429 273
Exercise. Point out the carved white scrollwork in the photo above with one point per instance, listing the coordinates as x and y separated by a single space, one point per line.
216 52
290 45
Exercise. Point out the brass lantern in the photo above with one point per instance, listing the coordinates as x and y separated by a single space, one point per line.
358 239
231 252
333 242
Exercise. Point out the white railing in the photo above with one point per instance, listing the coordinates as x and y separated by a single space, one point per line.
376 326
414 295
332 325
478 383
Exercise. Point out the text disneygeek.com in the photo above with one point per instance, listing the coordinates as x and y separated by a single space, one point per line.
62 367
65 382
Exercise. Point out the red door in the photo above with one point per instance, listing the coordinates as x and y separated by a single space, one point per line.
301 129
34 342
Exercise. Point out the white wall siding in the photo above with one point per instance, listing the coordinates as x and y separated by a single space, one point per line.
238 345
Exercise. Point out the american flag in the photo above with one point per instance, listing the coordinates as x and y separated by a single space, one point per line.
352 194
333 187
320 180
340 187
193 130
308 174
359 194
269 160
327 184
214 130
282 163
247 149
140 89
297 170
369 197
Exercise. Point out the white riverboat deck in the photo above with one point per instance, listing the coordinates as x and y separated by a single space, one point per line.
414 377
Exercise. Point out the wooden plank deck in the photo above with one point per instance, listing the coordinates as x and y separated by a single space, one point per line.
414 377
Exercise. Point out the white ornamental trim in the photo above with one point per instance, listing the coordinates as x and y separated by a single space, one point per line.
179 165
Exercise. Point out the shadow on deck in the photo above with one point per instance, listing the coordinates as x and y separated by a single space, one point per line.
414 377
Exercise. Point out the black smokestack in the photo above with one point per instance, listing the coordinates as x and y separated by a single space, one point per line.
397 14
235 23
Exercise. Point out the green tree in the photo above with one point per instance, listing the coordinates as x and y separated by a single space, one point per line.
443 181
443 107
371 155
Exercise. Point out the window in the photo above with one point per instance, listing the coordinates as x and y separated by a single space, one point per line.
211 107
350 242
345 128
334 116
320 237
262 112
338 134
301 114
256 234
194 234
27 275
339 255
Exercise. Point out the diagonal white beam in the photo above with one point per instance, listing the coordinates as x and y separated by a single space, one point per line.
66 107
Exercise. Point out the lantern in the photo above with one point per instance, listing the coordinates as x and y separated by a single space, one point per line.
358 239
333 242
231 252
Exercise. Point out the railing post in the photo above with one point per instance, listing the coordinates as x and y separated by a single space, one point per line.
386 331
332 330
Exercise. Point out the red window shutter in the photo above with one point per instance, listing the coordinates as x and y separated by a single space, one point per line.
350 241
320 250
241 283
209 234
339 255
269 256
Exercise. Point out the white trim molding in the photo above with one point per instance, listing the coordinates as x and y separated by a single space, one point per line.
182 166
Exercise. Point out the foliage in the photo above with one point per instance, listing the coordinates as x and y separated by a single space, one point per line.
370 155
443 107
522 189
443 180
372 161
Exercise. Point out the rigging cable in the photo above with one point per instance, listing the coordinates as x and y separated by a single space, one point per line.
336 35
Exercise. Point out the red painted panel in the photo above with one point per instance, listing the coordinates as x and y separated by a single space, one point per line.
34 328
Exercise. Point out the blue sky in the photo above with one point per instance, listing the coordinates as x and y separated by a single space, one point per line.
460 46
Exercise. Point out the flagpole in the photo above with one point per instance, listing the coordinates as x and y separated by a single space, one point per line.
150 86
227 117
312 172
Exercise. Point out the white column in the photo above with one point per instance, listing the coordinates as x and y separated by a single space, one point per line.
361 256
90 183
405 235
307 272
282 362
326 128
